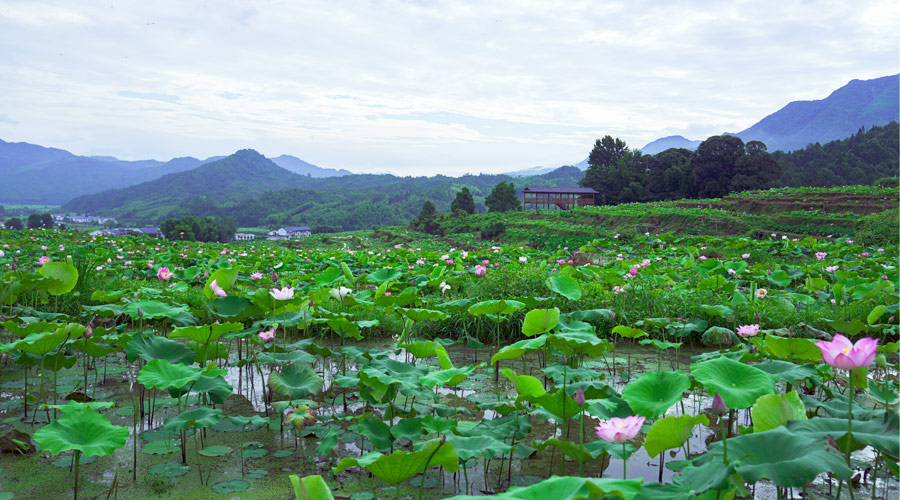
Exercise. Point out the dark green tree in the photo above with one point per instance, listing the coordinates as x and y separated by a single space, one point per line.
757 169
191 228
503 198
46 220
607 152
14 223
463 203
427 220
34 221
714 164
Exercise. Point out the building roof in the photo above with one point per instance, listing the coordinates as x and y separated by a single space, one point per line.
296 229
559 190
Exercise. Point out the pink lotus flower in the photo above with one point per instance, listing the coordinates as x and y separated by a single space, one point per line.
88 332
579 397
257 275
284 294
267 334
164 274
619 430
216 289
633 271
718 406
480 271
845 355
821 255
831 269
761 293
748 330
43 260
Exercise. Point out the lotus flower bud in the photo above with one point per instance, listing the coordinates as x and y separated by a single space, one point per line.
88 332
718 406
274 276
579 397
140 313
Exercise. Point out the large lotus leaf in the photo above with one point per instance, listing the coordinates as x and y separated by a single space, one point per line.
775 410
206 333
149 347
197 418
654 392
477 446
400 465
540 321
569 488
629 332
787 371
296 356
495 307
788 459
310 488
716 310
234 307
296 381
384 275
77 406
42 343
161 374
878 433
838 406
93 347
780 278
63 277
86 431
520 348
153 309
423 314
592 315
344 327
671 432
215 386
565 286
578 452
661 344
556 403
225 278
578 343
525 385
451 377
793 347
377 431
738 385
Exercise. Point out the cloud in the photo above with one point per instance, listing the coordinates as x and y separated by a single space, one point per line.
150 96
421 87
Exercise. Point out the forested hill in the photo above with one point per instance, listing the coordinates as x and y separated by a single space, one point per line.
859 159
255 192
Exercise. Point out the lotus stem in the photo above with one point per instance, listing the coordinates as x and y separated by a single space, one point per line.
624 463
77 457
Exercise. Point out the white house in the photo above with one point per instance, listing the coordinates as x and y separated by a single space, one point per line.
288 233
244 236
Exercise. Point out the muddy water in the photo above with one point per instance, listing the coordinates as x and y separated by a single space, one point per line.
285 453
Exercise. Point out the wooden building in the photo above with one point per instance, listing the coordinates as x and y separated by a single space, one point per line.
556 198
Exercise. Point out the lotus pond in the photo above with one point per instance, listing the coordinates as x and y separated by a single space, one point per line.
713 368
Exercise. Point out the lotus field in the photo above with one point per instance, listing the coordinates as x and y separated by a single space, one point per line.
664 367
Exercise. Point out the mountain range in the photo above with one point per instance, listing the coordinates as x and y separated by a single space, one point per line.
35 174
858 104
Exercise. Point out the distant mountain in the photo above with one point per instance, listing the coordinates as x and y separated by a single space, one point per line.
582 165
673 141
34 174
300 167
859 104
234 177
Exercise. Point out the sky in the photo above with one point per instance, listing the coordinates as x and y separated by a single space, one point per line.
419 87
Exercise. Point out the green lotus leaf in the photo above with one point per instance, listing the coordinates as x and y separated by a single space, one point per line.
556 403
215 386
215 451
225 278
383 276
518 349
86 431
738 385
400 465
780 278
580 453
568 488
310 488
654 392
169 469
198 419
495 307
793 348
161 374
539 321
881 434
152 309
525 385
76 406
578 343
62 275
478 446
719 311
41 343
451 377
787 371
660 344
565 286
788 459
423 314
296 381
149 347
160 447
671 432
775 410
629 332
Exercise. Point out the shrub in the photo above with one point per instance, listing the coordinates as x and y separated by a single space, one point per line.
888 182
879 229
493 231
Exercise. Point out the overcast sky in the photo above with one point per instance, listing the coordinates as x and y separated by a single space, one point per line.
419 88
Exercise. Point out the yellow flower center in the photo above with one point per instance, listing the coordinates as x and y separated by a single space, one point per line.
846 350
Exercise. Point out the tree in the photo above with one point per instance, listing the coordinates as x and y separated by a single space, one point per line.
503 198
427 220
190 228
755 170
46 220
34 221
614 172
14 223
607 152
713 165
463 203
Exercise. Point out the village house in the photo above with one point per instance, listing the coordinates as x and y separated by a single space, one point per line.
557 198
